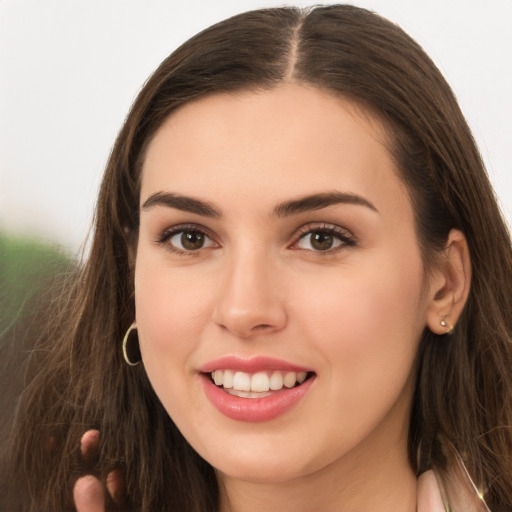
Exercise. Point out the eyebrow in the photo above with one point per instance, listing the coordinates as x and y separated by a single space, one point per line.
319 201
184 203
285 209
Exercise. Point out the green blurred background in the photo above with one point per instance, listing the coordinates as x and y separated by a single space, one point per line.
28 270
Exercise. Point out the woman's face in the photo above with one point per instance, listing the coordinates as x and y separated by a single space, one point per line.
277 244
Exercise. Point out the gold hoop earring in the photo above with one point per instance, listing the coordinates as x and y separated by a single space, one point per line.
134 351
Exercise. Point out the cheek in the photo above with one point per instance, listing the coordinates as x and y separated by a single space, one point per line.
368 322
167 300
170 316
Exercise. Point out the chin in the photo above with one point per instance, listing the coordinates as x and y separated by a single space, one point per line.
275 465
260 472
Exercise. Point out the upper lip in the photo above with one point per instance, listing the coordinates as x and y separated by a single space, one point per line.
251 365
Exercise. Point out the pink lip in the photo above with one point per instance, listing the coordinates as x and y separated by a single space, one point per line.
253 409
252 365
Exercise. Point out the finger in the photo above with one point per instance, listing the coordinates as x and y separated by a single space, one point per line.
89 445
115 486
88 495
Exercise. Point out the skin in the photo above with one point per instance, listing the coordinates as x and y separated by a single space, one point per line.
353 314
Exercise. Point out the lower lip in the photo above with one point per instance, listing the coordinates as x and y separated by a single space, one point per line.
255 409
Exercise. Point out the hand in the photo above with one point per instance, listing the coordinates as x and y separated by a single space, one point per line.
89 494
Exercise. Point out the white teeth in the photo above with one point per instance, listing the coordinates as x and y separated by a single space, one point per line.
248 394
242 381
227 378
290 379
260 382
217 376
276 381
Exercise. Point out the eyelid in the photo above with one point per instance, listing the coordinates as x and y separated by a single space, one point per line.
171 231
346 238
343 234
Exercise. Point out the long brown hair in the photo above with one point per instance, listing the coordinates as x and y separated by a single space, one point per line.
464 384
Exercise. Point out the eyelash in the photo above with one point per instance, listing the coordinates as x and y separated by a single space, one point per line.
343 236
168 234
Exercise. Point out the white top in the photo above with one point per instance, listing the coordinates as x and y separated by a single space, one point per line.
451 491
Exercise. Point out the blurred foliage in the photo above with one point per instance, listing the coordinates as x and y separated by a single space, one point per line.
28 270
27 267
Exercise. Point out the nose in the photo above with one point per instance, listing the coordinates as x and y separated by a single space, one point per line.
249 301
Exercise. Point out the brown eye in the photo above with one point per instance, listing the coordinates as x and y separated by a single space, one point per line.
323 240
189 241
192 240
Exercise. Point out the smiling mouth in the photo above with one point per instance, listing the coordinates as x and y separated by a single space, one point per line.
257 385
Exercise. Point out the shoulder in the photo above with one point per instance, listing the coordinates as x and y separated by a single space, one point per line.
449 491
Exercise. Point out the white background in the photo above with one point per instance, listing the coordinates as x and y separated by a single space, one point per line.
69 70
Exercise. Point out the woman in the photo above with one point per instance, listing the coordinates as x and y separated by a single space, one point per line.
295 230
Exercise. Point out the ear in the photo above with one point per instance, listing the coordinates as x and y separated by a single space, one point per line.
449 285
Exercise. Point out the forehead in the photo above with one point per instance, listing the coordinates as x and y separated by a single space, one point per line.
292 140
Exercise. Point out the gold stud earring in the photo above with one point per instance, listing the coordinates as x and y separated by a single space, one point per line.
445 325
